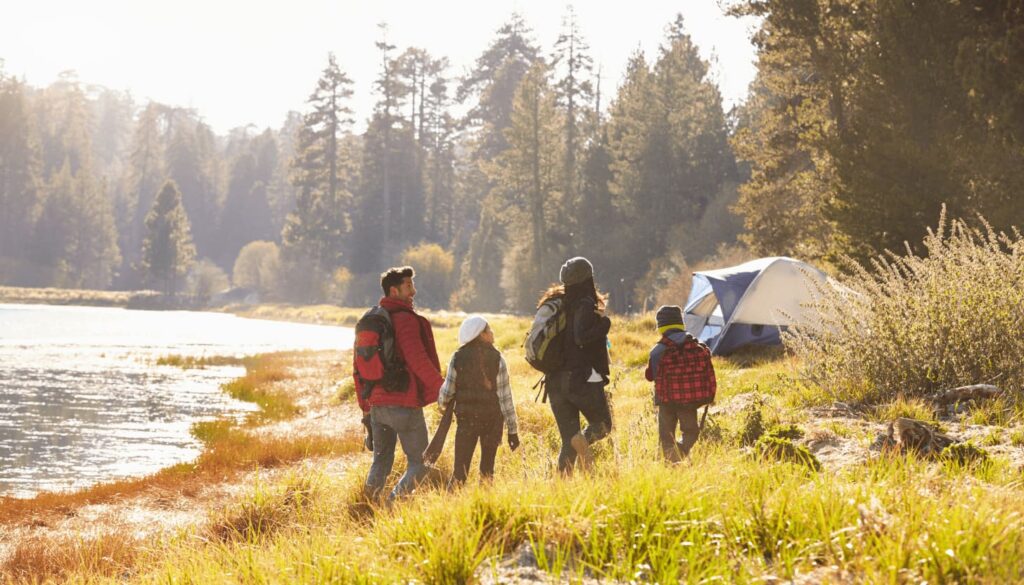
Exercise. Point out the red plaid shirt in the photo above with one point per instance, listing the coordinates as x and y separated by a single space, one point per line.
683 373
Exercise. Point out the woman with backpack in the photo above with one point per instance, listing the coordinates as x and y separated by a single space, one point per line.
575 386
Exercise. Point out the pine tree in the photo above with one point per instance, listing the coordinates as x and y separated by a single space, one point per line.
246 215
439 142
95 255
19 179
528 175
667 138
167 250
493 82
490 89
75 241
574 89
146 173
191 161
314 232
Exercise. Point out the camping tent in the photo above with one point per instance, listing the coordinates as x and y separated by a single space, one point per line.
753 302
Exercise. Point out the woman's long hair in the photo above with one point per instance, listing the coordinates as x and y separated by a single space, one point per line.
574 293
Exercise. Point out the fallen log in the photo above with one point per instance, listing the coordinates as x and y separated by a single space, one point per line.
966 393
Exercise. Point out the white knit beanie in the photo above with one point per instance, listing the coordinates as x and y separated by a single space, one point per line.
473 326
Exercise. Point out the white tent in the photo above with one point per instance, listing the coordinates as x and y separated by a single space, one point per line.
753 302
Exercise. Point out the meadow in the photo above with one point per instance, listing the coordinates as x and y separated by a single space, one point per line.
735 512
789 482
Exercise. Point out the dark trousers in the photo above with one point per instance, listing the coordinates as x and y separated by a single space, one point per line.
568 402
669 415
468 432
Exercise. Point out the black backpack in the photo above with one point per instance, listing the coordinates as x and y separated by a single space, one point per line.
376 357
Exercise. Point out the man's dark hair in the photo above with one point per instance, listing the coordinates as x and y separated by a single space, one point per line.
394 277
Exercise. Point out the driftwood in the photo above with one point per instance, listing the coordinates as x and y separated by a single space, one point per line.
966 393
906 435
433 450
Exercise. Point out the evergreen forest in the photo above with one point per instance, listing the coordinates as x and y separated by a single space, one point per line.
866 117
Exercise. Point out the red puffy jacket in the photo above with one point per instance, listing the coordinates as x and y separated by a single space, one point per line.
415 341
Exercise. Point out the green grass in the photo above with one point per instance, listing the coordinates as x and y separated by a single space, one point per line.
721 516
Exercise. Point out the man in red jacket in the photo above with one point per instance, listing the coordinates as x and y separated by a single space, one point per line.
398 416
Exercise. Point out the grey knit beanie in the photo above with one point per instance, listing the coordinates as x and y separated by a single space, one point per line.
576 270
669 315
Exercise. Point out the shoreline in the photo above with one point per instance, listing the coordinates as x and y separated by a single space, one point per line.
83 297
301 419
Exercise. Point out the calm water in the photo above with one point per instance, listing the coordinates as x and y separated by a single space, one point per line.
81 400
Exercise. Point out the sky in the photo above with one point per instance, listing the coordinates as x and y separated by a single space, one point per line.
250 62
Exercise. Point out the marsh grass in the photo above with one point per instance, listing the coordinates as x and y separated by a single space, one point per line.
229 450
915 324
721 516
201 362
257 386
113 554
65 296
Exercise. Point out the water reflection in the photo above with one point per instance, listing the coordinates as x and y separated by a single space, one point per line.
82 402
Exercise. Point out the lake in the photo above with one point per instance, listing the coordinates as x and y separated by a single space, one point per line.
82 401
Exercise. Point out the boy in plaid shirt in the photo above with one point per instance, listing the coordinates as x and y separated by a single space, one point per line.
684 379
477 381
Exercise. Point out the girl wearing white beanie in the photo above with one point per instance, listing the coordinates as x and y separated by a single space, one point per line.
478 384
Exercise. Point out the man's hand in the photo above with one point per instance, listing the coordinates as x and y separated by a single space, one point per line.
513 441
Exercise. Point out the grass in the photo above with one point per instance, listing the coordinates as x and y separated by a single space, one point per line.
65 296
187 362
721 516
229 450
112 555
902 406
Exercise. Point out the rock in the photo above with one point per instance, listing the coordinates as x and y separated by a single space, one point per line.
907 434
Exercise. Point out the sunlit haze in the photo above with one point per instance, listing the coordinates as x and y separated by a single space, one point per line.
241 63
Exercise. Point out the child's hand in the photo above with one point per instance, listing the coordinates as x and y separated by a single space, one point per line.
513 441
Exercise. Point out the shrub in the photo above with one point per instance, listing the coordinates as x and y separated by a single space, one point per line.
337 288
915 324
206 279
779 449
753 424
965 454
434 266
789 432
257 267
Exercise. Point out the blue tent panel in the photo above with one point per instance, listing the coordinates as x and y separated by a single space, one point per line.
729 290
740 334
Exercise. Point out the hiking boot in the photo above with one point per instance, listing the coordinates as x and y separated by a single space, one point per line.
582 447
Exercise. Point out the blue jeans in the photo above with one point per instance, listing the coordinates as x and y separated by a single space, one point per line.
391 424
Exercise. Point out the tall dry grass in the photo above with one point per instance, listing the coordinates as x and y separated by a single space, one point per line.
917 323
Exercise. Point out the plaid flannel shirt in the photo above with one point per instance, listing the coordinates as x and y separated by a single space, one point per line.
504 390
